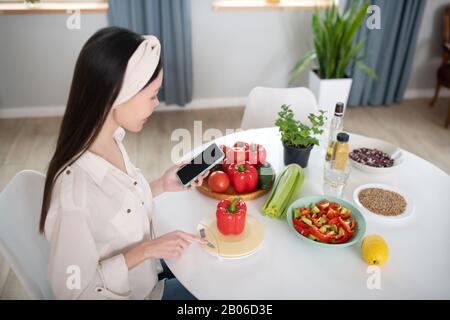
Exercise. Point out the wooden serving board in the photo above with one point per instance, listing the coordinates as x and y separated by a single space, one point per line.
230 193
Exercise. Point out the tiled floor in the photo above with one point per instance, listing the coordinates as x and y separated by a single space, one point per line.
28 143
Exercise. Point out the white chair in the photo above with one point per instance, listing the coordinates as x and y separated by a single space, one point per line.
24 248
263 105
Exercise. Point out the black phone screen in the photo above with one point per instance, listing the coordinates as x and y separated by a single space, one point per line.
200 163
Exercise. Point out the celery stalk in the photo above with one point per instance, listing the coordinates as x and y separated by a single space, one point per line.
274 192
284 191
290 187
294 193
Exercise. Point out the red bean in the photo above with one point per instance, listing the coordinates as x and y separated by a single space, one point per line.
372 157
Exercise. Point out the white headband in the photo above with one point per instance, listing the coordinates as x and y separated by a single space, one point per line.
140 69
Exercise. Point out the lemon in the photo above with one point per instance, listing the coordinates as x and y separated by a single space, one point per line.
374 250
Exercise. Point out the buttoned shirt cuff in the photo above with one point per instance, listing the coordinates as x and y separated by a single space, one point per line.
114 275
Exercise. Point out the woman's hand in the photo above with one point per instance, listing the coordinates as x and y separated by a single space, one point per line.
168 246
169 182
171 245
172 183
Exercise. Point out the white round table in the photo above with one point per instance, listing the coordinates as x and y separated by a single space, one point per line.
288 268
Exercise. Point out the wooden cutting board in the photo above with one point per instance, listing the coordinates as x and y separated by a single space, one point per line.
230 193
232 247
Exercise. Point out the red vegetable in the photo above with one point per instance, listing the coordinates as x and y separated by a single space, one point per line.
335 206
342 239
344 225
256 154
241 144
218 181
329 225
231 216
333 221
323 204
243 176
353 224
235 155
345 215
225 164
319 235
301 227
331 213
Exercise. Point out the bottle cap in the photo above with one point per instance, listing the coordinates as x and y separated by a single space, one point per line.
339 108
343 137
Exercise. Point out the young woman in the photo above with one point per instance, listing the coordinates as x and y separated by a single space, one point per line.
97 206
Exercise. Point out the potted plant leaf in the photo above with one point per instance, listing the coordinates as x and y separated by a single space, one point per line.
334 53
298 139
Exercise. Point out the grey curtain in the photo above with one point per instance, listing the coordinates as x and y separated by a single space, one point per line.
170 21
390 52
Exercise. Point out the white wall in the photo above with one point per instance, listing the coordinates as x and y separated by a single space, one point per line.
235 51
232 52
37 57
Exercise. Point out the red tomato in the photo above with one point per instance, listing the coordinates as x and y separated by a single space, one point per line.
218 181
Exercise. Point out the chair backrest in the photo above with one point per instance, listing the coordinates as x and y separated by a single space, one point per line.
263 105
446 35
24 248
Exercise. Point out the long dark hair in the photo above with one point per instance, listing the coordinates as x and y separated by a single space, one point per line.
96 82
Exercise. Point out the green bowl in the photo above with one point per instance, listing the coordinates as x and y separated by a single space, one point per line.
306 202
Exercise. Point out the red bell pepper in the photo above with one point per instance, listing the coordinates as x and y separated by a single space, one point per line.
353 225
323 204
348 234
256 154
345 215
333 221
301 224
342 239
344 225
335 206
235 154
303 231
243 176
225 164
320 236
231 216
226 167
301 227
241 144
331 213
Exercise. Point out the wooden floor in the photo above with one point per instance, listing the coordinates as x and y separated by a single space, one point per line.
28 143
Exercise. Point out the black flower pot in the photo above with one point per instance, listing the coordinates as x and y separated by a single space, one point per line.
299 156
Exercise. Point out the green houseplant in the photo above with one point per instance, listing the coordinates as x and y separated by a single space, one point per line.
334 52
298 139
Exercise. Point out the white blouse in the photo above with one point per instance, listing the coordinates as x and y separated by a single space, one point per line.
97 213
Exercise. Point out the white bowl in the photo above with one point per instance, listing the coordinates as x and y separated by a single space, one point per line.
409 210
371 143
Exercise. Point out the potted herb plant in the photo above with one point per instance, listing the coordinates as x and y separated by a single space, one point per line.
334 53
298 139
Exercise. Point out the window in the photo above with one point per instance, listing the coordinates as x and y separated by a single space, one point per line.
51 6
271 4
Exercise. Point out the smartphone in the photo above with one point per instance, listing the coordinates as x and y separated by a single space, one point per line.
201 163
